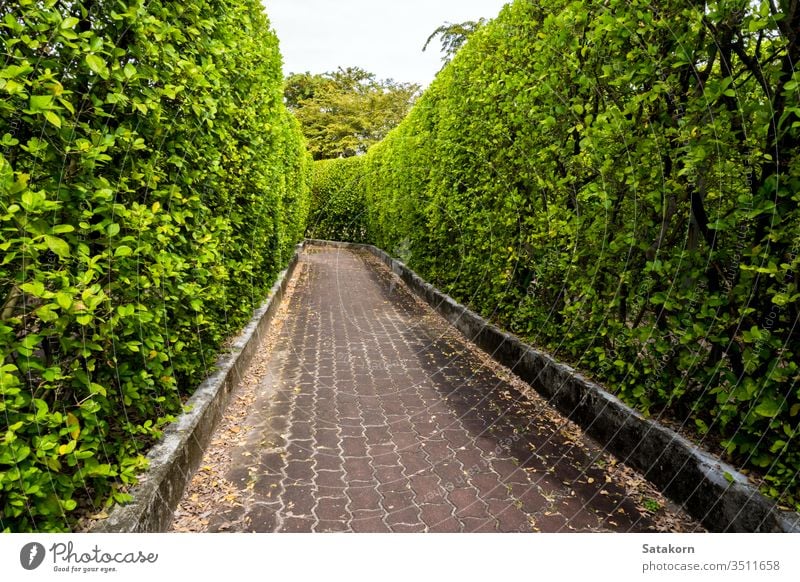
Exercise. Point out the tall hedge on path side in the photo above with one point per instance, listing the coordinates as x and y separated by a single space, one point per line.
152 185
338 205
619 181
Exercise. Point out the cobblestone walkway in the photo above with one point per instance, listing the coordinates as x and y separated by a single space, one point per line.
370 414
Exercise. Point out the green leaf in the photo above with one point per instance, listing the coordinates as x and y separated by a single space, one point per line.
97 64
42 409
98 470
40 103
67 105
67 448
13 87
74 425
768 408
35 288
129 70
57 245
777 446
46 313
123 251
53 118
31 340
29 200
64 300
15 71
69 22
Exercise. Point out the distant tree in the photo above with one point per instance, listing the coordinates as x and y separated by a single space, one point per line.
302 86
453 36
343 112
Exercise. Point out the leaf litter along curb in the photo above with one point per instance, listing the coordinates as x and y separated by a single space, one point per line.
210 491
666 515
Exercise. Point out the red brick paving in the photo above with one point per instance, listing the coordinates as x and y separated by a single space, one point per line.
376 417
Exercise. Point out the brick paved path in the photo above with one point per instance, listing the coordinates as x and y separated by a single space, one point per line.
375 416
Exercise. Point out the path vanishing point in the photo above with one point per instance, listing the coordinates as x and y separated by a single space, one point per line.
365 411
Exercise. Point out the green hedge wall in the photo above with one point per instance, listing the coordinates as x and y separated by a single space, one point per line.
618 181
152 185
338 205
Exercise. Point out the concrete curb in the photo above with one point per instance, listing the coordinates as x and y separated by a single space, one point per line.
710 490
174 460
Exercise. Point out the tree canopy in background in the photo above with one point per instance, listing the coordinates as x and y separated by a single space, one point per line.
344 112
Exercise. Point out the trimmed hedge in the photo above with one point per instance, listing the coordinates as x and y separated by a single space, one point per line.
618 181
338 207
152 185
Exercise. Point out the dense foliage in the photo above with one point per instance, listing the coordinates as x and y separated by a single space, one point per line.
619 181
344 112
338 207
152 184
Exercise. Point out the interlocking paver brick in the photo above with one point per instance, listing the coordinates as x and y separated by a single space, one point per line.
327 478
369 525
387 475
358 468
352 431
510 518
301 431
396 500
327 437
297 525
300 471
435 513
299 499
327 461
490 486
404 440
376 416
437 451
386 460
467 503
450 525
329 508
268 484
407 516
479 525
336 492
406 528
329 526
259 515
364 498
354 446
424 486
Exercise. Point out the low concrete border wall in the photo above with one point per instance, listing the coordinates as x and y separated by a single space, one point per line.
174 460
711 491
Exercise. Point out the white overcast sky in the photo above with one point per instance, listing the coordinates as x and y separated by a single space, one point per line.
384 37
